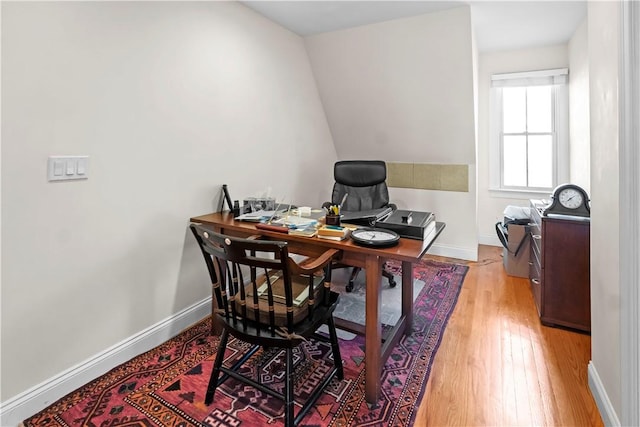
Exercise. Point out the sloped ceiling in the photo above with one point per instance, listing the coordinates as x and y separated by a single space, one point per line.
399 90
498 25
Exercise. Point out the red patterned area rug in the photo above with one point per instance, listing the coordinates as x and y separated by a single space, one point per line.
166 386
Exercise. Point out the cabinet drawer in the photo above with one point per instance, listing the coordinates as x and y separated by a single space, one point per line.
535 282
535 228
536 249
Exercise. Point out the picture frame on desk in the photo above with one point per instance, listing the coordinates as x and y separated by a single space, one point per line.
225 198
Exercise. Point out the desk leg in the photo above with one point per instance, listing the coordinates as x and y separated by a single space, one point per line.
373 328
407 295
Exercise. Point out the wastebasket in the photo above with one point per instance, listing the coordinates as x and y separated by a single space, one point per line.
514 234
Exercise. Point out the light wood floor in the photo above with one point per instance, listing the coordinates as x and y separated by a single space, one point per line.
498 366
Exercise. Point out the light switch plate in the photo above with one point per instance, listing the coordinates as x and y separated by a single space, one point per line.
67 168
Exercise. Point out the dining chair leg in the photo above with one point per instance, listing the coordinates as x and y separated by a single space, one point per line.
335 348
215 373
288 390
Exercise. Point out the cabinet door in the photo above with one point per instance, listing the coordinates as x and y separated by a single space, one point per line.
566 273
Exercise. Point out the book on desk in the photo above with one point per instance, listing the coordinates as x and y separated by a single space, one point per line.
308 231
333 232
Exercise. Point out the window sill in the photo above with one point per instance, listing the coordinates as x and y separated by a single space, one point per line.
518 194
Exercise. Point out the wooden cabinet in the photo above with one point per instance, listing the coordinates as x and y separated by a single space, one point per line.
559 269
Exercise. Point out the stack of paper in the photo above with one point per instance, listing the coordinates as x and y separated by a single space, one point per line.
293 221
256 216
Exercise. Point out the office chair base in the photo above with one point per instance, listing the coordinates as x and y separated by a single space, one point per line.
356 270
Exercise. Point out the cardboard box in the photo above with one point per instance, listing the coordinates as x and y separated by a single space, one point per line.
516 261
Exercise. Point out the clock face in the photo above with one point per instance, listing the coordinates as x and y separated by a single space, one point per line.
375 237
570 198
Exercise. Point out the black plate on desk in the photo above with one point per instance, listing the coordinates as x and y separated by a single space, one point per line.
375 237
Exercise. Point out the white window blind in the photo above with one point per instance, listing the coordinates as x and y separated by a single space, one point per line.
531 78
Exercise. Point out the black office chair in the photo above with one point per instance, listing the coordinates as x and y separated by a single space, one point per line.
262 312
367 199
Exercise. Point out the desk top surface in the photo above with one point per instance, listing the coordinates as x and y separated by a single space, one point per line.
406 250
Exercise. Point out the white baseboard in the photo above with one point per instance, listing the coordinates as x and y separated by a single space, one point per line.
18 408
468 254
607 412
24 405
489 240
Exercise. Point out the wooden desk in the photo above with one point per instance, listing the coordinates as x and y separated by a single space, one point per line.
408 251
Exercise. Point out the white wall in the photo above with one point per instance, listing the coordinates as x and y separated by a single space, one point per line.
603 36
491 205
579 137
402 91
170 100
629 206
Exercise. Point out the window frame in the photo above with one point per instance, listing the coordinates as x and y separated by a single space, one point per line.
558 79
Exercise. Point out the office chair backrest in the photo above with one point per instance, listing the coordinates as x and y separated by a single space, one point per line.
365 183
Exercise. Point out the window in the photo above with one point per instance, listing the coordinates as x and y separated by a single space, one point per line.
529 130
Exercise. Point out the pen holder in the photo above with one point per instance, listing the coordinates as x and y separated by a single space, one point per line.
332 220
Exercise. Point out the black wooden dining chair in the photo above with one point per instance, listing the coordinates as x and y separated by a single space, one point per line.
266 299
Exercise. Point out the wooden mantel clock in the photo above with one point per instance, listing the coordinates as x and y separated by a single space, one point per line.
569 199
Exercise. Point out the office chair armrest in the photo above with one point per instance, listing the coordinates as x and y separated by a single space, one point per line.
312 265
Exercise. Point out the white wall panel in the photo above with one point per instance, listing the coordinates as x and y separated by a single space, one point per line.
170 100
402 91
